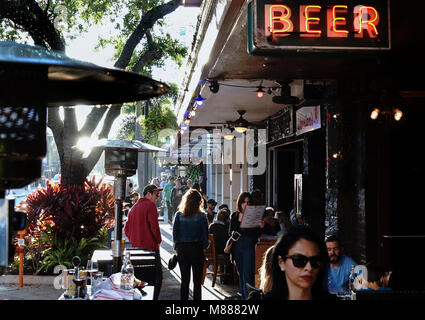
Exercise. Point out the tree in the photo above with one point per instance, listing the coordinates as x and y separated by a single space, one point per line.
159 117
50 22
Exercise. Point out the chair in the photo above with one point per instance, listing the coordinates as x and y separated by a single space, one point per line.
215 260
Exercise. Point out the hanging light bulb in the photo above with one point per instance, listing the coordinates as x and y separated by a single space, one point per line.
398 114
199 100
187 121
192 113
260 92
375 113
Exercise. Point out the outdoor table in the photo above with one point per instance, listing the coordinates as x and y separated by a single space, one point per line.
147 294
138 257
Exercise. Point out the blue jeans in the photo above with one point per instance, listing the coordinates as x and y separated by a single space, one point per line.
244 252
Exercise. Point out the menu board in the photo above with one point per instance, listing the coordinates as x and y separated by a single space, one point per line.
252 216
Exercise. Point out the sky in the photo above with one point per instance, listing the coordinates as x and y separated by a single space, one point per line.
180 25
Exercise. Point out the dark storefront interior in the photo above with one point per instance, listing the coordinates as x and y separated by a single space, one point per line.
396 192
285 161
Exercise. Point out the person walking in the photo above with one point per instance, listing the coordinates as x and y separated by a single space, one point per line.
190 237
176 195
142 229
167 191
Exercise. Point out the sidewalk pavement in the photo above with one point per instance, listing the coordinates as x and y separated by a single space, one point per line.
170 289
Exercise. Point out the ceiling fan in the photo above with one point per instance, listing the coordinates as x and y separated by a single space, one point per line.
240 124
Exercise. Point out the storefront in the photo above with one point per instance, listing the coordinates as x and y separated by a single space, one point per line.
360 171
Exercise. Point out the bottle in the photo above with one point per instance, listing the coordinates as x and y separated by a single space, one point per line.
351 279
127 273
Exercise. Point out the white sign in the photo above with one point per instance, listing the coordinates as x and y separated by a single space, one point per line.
308 119
21 242
252 216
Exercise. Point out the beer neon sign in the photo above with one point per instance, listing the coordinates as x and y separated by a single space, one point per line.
320 25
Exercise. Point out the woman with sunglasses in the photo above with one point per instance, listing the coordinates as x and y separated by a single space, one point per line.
297 266
190 237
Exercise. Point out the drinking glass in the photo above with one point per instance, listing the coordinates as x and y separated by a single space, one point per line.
96 282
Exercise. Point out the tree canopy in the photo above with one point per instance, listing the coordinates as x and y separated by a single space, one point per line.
140 45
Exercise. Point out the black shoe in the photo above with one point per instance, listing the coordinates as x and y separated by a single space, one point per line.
237 297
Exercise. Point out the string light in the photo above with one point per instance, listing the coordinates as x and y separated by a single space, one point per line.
199 100
260 92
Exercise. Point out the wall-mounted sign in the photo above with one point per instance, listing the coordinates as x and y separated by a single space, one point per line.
307 119
320 25
281 124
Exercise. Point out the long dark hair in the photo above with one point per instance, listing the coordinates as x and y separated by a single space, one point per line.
240 200
191 203
283 245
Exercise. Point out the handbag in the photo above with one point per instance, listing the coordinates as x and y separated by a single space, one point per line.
172 262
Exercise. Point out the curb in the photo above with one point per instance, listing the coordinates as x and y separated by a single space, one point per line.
28 280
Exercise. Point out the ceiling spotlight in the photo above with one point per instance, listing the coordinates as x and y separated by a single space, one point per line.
397 114
375 113
214 86
199 100
260 92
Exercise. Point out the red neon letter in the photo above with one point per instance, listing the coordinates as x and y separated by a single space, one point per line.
366 18
280 21
306 21
334 21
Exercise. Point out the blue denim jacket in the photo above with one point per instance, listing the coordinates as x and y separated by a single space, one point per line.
190 229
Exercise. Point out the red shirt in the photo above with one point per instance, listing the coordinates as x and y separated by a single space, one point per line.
142 228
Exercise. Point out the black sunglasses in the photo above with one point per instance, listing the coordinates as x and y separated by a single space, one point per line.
300 261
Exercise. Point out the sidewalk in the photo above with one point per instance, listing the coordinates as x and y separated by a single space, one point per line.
170 289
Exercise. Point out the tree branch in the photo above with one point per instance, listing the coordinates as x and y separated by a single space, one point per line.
154 52
29 15
92 119
56 125
147 22
113 112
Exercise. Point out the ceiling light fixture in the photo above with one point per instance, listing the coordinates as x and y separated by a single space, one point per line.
375 113
214 86
397 114
199 100
241 125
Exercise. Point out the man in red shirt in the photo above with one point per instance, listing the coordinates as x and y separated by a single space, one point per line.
142 228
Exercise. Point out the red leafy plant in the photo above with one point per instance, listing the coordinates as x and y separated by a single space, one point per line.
65 220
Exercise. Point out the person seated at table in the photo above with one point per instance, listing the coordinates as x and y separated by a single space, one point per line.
223 206
220 232
284 222
271 225
339 266
375 279
211 203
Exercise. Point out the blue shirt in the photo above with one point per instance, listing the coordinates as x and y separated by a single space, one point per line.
338 278
190 229
379 289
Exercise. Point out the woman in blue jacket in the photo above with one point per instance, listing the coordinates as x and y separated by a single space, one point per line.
190 237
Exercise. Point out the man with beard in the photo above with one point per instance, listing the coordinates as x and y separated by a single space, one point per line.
339 266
